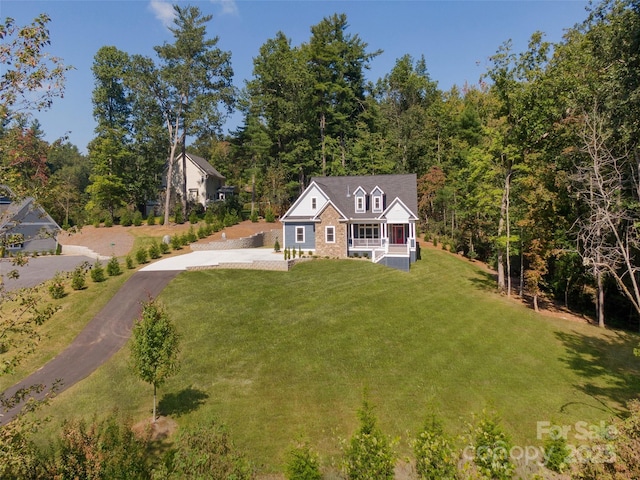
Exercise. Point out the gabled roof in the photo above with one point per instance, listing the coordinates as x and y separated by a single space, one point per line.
341 191
205 166
202 164
397 201
327 205
16 211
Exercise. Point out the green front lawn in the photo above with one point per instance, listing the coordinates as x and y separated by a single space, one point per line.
279 356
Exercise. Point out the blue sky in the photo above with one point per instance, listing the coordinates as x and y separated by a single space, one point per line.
456 37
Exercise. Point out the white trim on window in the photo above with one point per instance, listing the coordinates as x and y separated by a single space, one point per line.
299 234
360 204
377 203
330 234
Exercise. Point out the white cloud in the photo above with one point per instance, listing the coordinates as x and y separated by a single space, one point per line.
163 11
229 7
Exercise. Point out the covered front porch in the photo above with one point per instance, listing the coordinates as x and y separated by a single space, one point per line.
377 240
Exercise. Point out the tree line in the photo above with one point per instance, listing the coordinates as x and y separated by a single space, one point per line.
535 169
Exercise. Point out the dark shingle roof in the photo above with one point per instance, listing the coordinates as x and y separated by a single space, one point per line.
205 166
341 189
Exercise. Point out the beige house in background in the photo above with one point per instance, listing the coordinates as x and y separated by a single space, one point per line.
204 183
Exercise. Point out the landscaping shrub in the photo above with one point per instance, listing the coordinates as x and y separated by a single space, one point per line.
177 214
100 450
205 452
209 217
230 219
434 453
491 447
276 245
269 216
254 216
78 278
113 267
184 239
129 262
176 242
193 217
56 287
299 252
294 252
369 453
125 218
556 453
108 222
302 464
154 250
164 248
191 235
151 219
137 218
97 272
142 256
202 232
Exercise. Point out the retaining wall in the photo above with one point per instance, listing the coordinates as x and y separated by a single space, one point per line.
261 239
273 265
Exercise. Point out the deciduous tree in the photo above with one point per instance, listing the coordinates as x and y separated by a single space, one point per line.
154 347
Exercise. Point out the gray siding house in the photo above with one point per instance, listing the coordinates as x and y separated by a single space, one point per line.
25 226
373 216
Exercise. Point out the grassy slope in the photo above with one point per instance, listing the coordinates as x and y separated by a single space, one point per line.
279 356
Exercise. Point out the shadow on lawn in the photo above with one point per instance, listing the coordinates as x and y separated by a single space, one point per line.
185 401
486 281
610 372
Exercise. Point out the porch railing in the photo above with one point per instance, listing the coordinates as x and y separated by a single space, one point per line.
366 242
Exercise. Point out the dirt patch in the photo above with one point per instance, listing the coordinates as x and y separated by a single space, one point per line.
161 429
118 240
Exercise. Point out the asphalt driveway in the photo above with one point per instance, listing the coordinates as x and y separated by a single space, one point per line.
39 269
101 338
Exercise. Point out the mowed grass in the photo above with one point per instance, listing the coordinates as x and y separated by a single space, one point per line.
283 356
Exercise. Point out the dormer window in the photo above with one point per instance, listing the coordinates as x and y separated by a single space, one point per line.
361 203
377 200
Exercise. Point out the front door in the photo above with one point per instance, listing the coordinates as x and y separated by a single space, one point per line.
397 235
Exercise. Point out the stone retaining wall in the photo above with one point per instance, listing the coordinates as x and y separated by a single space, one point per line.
261 239
272 265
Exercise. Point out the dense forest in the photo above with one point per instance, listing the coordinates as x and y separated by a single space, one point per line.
535 170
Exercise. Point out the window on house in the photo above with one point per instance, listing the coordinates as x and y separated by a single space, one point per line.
299 234
314 203
377 203
359 204
330 234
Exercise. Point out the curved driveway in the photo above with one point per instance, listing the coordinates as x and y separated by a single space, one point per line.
101 338
111 327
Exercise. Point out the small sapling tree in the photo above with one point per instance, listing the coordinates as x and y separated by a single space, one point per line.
369 453
154 347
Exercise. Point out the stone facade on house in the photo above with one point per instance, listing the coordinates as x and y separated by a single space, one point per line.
330 217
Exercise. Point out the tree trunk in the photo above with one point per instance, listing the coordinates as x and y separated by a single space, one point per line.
504 208
184 175
153 419
173 136
535 302
324 155
600 299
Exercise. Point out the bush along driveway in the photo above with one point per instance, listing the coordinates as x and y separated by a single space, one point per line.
105 334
